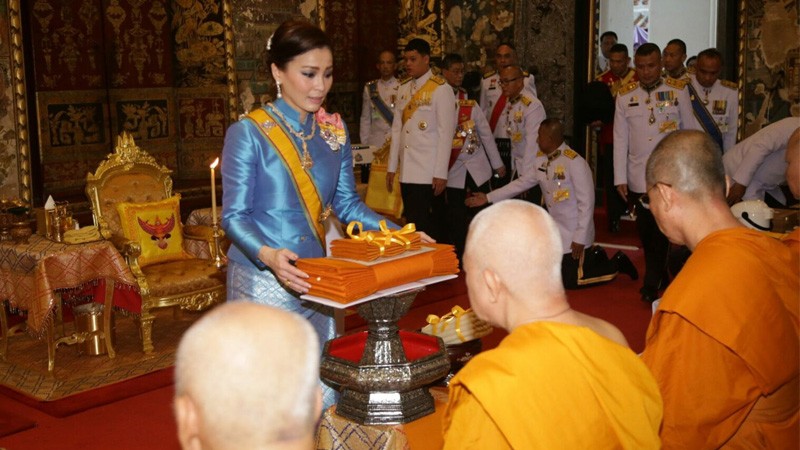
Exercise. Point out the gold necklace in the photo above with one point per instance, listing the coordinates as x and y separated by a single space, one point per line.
306 162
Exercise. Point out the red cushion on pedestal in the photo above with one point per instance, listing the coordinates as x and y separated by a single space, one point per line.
415 346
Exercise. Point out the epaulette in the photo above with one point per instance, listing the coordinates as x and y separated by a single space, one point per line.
525 100
729 84
467 102
570 153
539 153
525 73
602 74
628 88
489 74
404 80
438 80
676 83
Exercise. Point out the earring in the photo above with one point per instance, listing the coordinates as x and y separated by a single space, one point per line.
280 95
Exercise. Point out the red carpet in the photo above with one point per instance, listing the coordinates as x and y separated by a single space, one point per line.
11 422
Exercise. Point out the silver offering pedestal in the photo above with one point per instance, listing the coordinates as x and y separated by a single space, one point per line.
383 372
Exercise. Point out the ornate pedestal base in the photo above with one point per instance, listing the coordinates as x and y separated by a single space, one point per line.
382 372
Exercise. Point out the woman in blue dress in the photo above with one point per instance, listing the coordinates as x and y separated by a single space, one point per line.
285 168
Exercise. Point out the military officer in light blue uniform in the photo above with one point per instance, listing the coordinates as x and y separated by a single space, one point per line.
377 107
715 101
646 111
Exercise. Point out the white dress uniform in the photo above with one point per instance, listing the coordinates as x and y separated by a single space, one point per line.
568 192
722 102
641 120
759 163
421 147
479 155
520 120
374 129
491 92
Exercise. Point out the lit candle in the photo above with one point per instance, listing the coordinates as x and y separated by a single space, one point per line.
214 193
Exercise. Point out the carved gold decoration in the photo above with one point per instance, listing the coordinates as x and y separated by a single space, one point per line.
18 83
422 19
230 61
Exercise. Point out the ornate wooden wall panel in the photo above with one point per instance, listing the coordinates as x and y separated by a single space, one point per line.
101 67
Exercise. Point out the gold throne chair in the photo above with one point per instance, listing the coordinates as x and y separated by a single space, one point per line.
132 178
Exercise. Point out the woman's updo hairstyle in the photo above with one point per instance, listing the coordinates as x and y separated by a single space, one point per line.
292 38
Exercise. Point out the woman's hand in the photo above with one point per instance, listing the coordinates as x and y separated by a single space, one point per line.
281 261
425 239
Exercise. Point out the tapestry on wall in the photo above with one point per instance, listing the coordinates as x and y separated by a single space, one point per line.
254 21
474 28
771 63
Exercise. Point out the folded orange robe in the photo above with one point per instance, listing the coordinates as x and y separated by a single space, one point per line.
370 251
345 281
549 386
724 345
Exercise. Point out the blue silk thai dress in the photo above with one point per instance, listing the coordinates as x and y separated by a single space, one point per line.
261 206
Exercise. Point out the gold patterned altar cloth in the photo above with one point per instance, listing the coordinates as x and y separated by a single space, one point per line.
425 433
31 273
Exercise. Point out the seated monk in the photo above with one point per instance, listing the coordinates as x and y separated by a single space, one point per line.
723 344
560 379
247 377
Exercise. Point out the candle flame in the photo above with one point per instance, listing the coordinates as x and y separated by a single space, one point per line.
215 164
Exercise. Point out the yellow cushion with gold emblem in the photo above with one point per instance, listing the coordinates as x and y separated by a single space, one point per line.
156 226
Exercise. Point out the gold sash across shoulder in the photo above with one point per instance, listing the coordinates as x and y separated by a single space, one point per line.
304 185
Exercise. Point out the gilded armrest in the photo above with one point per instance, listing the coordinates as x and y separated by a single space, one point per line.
130 250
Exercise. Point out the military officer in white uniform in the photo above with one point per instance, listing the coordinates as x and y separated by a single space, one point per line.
757 165
520 122
505 55
422 136
473 158
568 192
377 108
715 102
646 111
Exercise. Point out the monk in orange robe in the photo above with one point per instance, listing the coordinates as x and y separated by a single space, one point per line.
560 379
723 344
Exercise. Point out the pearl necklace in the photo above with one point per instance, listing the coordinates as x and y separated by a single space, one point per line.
306 162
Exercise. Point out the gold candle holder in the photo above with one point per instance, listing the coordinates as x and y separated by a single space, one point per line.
216 234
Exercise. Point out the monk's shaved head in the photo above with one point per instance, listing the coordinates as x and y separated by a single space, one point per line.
691 162
518 241
793 163
249 376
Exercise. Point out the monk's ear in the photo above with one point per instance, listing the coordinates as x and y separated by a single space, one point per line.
493 284
188 422
668 196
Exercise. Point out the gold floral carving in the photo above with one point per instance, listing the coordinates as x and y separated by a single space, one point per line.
18 82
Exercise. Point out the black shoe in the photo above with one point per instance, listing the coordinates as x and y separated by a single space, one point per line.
649 295
613 226
625 265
